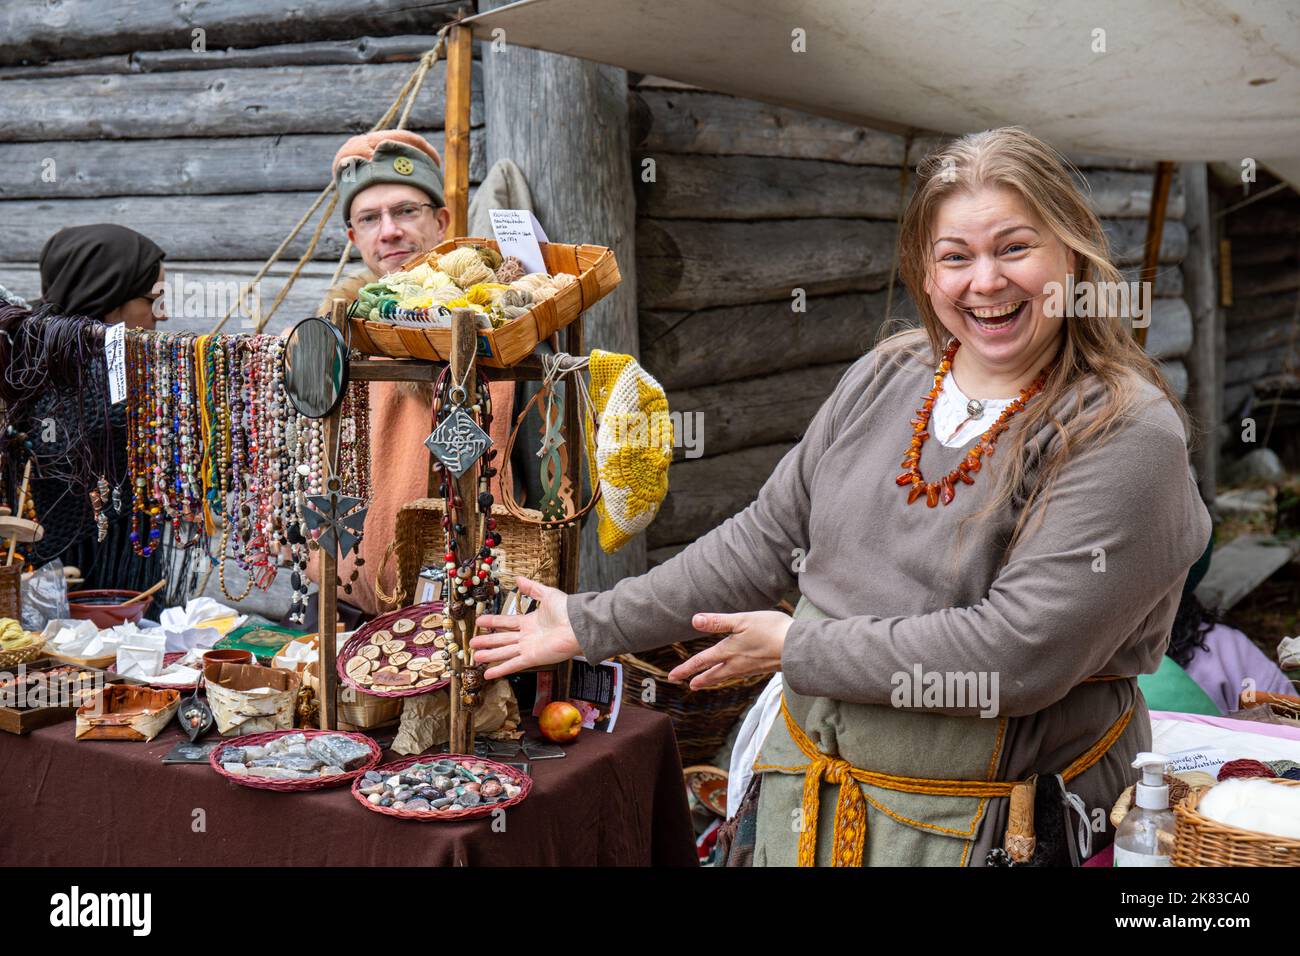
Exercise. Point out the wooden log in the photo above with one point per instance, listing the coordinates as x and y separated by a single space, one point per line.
1202 299
37 32
1175 373
1261 308
692 264
1170 332
764 187
1265 279
231 102
85 169
706 492
194 227
1256 365
1260 336
573 151
1169 279
716 419
399 49
199 293
760 187
1258 250
685 121
690 349
1278 214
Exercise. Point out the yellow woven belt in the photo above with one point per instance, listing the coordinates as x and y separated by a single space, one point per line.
851 807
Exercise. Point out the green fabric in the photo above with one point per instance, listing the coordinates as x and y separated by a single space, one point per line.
889 740
1170 688
392 162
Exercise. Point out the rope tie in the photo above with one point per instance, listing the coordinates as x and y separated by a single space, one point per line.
851 805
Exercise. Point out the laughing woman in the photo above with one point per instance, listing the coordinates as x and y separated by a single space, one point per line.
1046 574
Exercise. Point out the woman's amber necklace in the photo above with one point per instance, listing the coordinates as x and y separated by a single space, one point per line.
945 488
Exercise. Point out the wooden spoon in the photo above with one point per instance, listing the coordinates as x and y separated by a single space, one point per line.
145 594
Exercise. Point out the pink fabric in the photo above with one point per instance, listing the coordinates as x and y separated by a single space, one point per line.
1229 657
1227 723
1104 857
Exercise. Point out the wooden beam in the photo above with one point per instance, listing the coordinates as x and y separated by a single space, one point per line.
687 186
1202 295
398 49
37 32
694 264
460 52
232 102
87 169
573 151
1155 232
464 331
708 346
732 416
706 492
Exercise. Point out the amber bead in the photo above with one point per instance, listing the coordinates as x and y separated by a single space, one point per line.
964 477
904 479
946 491
918 489
931 494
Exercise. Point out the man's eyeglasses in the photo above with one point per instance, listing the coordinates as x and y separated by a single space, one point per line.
403 214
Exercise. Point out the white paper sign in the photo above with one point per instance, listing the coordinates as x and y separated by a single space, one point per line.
518 233
115 356
1206 759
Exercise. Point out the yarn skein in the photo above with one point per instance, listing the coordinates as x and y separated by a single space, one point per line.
466 267
1244 768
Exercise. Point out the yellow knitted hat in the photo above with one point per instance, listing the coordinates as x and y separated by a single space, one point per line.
633 446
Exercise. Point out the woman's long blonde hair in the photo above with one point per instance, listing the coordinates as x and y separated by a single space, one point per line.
1102 347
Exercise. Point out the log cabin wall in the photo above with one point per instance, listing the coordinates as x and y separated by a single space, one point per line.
109 114
750 202
1262 310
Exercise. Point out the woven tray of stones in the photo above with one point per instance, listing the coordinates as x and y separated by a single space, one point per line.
293 760
400 654
442 787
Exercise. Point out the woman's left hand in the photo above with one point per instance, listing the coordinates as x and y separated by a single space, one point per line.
753 645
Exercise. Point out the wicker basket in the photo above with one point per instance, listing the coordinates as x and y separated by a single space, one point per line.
420 541
363 712
447 816
24 655
11 592
300 784
510 344
701 718
1200 841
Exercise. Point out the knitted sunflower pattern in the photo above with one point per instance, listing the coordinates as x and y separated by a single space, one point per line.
633 446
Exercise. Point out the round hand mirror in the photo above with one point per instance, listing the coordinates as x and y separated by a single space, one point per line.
315 367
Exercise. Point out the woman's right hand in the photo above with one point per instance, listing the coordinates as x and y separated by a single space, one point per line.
520 641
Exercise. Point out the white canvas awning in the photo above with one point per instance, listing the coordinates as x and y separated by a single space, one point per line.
1164 80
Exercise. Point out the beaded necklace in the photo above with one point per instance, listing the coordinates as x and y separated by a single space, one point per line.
945 488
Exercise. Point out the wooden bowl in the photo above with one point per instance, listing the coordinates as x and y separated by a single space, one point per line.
106 607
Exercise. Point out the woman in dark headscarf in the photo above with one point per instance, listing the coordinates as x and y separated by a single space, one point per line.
105 271
114 274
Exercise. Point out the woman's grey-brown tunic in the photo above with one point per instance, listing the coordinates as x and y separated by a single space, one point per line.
1090 589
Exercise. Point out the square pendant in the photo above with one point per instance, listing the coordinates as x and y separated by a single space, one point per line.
458 441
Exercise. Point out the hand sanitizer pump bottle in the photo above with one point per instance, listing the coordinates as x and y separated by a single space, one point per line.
1146 834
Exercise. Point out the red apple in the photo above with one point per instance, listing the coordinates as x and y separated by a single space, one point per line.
560 721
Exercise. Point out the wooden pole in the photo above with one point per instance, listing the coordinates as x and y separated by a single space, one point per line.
1155 231
22 503
584 126
460 54
327 623
464 337
1202 299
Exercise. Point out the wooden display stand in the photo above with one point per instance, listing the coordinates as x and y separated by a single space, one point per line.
412 370
464 332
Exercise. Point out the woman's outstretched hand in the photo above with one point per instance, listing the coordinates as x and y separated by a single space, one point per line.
753 645
520 641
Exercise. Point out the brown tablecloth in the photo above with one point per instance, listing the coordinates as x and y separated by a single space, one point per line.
613 799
